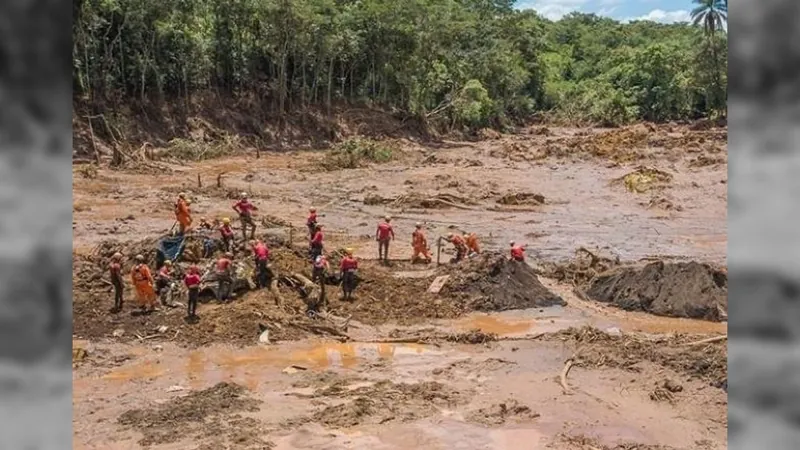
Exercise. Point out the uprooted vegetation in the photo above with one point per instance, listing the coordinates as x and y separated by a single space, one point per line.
689 356
358 152
213 413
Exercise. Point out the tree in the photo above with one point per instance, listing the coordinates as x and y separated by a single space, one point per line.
712 15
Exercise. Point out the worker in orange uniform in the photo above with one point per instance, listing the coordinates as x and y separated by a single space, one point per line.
182 214
227 234
517 252
192 281
143 283
459 244
471 241
316 246
384 234
348 268
311 222
224 272
420 244
115 271
245 210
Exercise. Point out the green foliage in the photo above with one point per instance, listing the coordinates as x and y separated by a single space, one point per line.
493 63
357 152
189 149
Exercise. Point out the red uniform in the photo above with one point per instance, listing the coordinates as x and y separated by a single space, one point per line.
385 231
312 219
192 280
223 264
348 263
518 253
261 251
458 241
317 240
115 270
164 271
244 206
226 231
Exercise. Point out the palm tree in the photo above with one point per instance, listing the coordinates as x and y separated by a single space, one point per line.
711 14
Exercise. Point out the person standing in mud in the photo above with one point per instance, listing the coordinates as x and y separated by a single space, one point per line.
261 256
316 246
224 273
420 244
245 210
227 234
471 241
383 235
192 282
517 252
143 282
458 244
115 271
164 282
347 269
320 270
182 214
311 222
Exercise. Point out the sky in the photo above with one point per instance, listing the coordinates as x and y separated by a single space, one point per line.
664 11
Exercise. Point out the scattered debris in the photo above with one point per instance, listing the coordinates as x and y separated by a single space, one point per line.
501 413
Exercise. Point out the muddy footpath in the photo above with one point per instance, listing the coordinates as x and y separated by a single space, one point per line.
611 336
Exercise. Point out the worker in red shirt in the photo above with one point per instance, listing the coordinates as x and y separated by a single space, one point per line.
261 255
192 281
517 252
164 282
245 210
311 222
320 269
227 234
316 245
459 244
347 269
224 273
384 234
115 271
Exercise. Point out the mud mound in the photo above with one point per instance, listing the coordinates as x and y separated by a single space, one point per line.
681 289
595 348
582 442
387 402
209 413
499 414
492 282
470 366
521 198
582 269
420 201
644 179
427 337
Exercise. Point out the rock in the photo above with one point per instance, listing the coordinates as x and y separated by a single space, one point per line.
118 333
163 329
263 338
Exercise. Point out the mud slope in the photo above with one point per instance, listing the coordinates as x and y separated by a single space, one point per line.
494 283
685 289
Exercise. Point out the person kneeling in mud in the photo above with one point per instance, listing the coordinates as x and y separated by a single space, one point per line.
164 283
192 282
348 268
459 244
224 273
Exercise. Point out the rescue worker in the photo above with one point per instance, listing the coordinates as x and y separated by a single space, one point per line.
316 245
420 244
459 244
143 282
224 272
320 270
115 271
164 282
384 234
227 234
471 241
348 268
204 225
311 222
261 255
192 282
245 210
517 252
182 214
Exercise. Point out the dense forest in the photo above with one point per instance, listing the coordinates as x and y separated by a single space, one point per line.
455 62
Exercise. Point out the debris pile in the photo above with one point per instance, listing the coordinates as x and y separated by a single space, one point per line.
683 289
644 179
582 269
492 282
521 198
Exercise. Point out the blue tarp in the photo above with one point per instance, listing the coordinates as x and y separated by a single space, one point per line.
170 248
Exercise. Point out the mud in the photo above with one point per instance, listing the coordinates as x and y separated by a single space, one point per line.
210 413
680 289
492 282
501 413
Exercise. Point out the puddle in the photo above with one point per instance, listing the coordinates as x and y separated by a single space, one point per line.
497 325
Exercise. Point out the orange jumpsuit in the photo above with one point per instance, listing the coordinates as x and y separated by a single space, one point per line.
472 243
420 245
182 215
460 245
143 282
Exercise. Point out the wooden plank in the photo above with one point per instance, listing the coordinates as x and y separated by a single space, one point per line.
438 284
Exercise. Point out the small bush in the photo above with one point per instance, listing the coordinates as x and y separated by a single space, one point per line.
357 152
189 149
